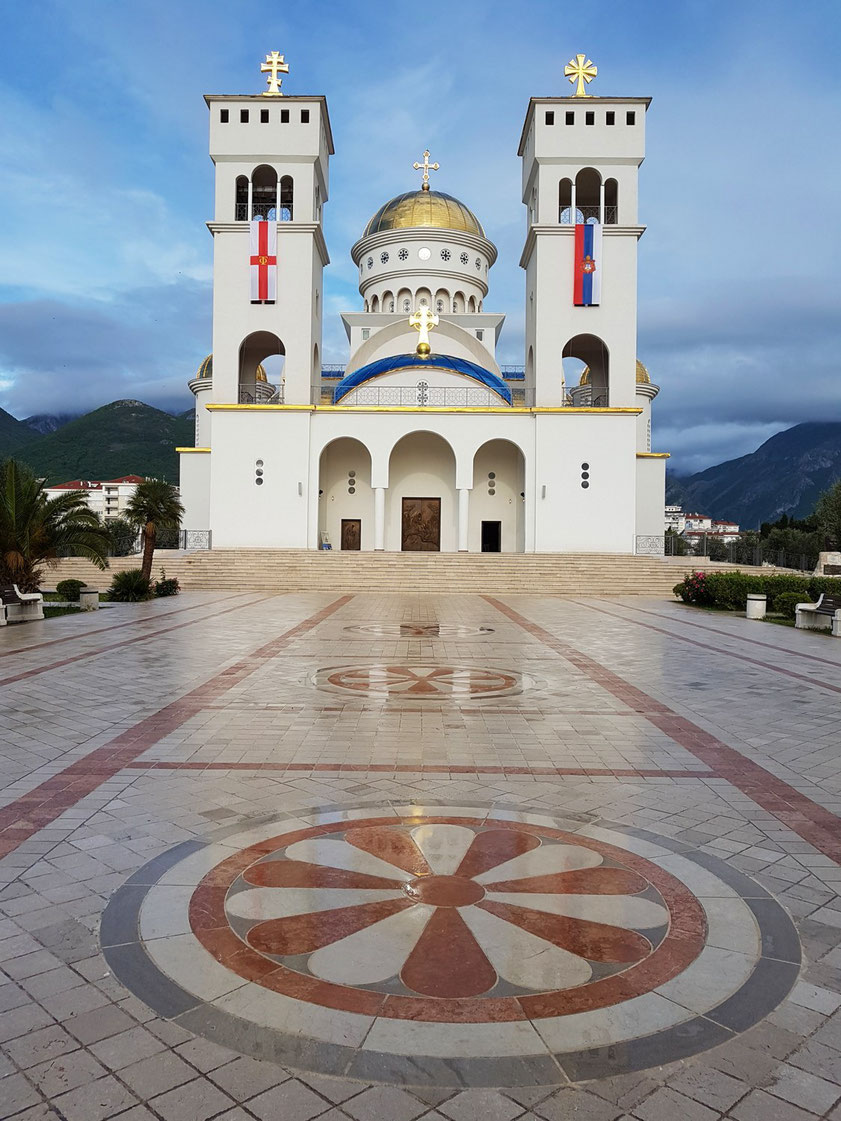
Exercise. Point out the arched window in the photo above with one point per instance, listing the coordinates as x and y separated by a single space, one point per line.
588 187
423 298
611 202
261 362
593 380
264 193
439 307
458 303
407 305
375 303
565 202
442 301
287 197
471 305
241 199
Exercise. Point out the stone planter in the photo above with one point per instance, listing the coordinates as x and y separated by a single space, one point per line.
756 606
89 599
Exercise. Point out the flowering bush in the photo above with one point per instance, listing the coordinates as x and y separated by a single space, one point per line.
693 589
730 590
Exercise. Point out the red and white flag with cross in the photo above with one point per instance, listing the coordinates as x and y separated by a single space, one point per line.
264 260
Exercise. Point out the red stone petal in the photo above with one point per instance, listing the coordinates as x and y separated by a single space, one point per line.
594 941
301 934
495 847
298 873
582 881
391 845
447 961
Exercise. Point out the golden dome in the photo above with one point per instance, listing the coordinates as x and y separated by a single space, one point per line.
643 377
205 370
425 209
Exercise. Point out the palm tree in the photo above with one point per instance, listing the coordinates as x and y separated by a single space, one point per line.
37 530
154 505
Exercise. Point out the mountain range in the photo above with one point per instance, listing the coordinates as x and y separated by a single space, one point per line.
786 475
123 438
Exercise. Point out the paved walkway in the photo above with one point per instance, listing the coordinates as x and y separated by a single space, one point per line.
387 857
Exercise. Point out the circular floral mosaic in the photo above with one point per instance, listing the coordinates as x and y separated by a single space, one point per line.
420 681
451 945
419 630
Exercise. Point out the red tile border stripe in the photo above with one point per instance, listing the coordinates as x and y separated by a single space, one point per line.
24 817
25 674
814 824
421 768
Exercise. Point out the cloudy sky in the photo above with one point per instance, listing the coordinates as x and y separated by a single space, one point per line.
105 182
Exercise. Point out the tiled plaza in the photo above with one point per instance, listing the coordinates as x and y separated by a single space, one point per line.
380 857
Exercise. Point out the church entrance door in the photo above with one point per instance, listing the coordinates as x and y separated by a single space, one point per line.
351 535
421 525
491 537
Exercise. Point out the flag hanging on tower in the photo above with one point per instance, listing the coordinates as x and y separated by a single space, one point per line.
587 277
263 260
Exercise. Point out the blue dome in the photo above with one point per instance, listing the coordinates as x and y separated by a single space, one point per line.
424 365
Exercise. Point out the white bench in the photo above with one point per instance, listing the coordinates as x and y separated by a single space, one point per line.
19 607
820 616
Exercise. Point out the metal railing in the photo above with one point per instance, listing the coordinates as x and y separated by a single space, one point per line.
582 397
260 393
586 214
432 396
191 540
267 210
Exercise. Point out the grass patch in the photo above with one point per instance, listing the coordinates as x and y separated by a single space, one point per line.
54 612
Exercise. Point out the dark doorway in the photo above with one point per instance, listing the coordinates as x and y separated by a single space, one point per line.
421 525
491 537
351 535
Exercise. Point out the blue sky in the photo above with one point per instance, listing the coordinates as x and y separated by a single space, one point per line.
105 183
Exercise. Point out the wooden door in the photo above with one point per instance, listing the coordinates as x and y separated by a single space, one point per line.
421 525
351 535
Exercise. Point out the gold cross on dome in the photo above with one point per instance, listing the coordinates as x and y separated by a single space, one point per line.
273 66
423 321
427 167
577 70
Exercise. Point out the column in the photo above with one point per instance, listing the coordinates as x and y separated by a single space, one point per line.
463 510
572 220
601 205
379 519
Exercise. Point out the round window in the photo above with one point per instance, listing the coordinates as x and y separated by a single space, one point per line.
384 258
445 254
492 474
464 258
491 491
259 463
259 472
351 490
424 253
403 254
351 473
370 262
585 466
584 485
259 482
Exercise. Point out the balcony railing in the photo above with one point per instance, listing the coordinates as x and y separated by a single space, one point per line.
582 397
431 396
267 210
588 214
260 393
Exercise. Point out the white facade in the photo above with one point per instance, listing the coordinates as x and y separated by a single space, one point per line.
400 448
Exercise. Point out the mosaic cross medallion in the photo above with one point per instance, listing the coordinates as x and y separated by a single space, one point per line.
451 945
419 630
420 681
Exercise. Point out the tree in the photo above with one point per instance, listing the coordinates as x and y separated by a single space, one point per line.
676 546
828 515
123 537
716 549
36 530
154 505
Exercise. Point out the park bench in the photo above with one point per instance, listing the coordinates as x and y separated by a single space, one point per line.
821 615
19 607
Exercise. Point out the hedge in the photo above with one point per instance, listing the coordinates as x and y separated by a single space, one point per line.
730 590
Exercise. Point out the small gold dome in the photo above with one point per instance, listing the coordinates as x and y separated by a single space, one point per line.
425 209
643 377
206 370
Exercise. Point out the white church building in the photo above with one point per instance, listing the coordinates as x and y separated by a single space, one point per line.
422 441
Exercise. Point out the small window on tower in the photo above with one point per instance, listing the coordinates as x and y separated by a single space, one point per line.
305 116
550 117
223 116
243 116
589 118
569 118
284 116
610 118
264 116
630 118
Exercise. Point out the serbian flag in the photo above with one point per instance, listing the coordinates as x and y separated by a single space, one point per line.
587 279
263 260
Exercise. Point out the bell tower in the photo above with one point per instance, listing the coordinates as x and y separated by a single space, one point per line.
581 156
271 153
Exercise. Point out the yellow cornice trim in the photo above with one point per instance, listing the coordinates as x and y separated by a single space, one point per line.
583 410
187 451
654 455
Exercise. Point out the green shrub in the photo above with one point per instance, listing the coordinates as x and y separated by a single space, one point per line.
786 602
729 590
164 587
69 589
130 586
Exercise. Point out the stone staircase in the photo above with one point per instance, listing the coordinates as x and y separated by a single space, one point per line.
589 574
